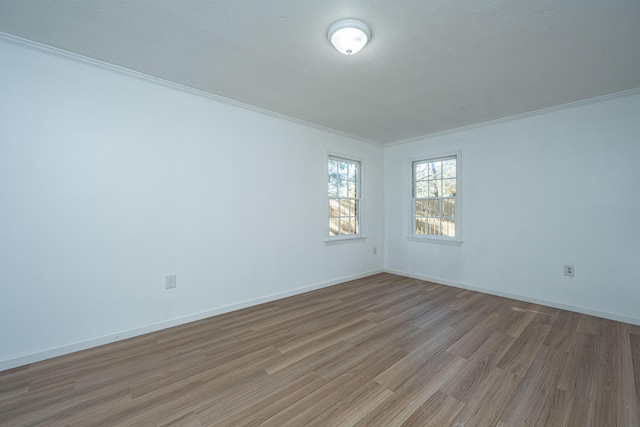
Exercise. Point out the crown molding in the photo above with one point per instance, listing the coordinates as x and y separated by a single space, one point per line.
85 60
50 50
534 113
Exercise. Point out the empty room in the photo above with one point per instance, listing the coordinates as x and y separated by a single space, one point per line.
303 213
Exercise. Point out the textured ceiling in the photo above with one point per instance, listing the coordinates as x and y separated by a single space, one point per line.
431 66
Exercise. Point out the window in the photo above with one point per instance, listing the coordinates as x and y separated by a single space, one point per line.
344 197
435 202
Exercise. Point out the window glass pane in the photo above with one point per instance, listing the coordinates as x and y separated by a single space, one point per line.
435 188
433 208
435 170
421 208
351 175
352 189
344 225
333 227
342 171
449 207
344 207
449 168
333 167
333 186
448 227
352 225
421 171
342 188
334 207
433 226
448 187
421 226
356 209
421 189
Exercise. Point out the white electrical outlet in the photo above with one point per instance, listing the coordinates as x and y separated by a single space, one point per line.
569 270
375 250
170 282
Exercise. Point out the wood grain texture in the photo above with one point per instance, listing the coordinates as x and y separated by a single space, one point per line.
379 351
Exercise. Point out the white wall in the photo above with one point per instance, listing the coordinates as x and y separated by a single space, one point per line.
559 187
109 182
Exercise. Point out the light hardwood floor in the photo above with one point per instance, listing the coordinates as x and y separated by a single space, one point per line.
380 351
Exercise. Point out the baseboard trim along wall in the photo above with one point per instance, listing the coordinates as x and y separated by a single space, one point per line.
27 358
576 309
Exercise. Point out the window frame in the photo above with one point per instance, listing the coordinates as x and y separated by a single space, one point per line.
427 238
344 238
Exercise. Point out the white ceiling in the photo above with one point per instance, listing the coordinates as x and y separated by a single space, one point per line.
431 65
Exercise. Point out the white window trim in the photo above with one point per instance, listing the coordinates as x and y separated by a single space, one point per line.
342 239
351 238
442 240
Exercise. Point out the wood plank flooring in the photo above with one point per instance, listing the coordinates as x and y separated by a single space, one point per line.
380 351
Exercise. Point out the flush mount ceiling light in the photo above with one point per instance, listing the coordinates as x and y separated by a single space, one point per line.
349 35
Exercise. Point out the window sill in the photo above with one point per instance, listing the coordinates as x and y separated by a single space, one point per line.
452 242
341 240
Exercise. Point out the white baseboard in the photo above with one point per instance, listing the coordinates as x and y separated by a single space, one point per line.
576 309
32 357
36 356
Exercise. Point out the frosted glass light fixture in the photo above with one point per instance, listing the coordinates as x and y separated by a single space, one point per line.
349 35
